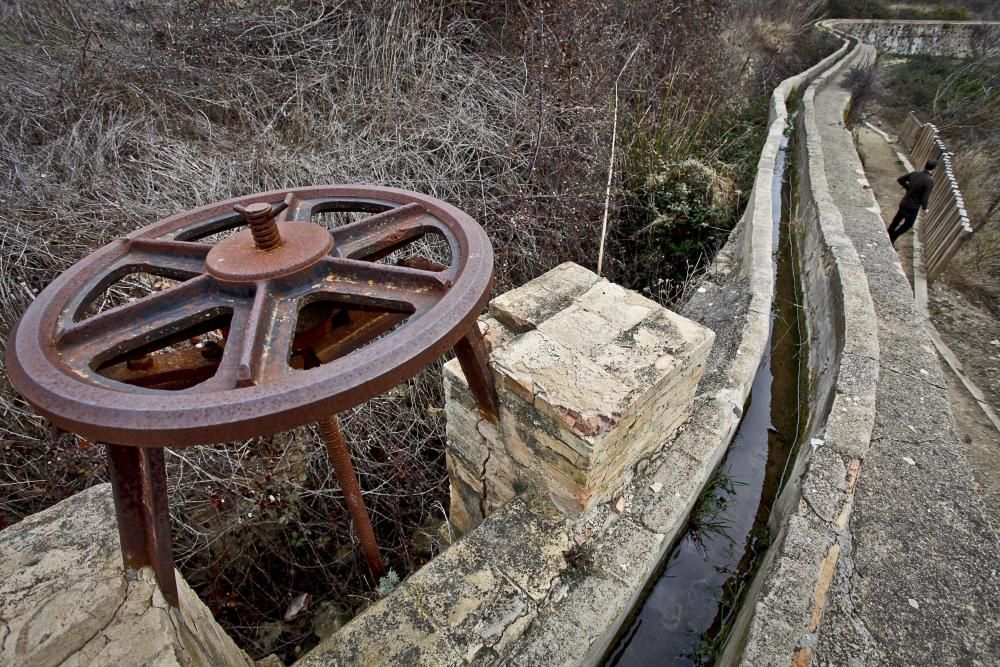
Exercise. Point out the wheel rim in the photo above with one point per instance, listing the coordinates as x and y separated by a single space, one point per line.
60 362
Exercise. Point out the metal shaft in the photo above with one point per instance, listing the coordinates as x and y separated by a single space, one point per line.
340 458
474 359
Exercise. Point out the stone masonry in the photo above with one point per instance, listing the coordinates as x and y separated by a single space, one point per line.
590 378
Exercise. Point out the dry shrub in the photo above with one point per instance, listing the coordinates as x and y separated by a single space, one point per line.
975 269
863 84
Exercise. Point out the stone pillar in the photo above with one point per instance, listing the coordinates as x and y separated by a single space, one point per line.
590 377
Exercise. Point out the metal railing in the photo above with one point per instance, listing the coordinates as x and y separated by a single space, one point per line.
946 224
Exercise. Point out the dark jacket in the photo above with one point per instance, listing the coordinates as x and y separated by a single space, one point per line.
918 186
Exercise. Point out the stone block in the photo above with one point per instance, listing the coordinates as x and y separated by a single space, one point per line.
65 598
529 305
590 378
468 604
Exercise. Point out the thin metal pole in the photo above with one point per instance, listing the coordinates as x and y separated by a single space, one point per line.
340 458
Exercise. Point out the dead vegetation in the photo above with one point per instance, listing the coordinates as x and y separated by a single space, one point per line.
118 114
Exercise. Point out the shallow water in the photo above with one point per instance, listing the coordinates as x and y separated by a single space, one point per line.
685 618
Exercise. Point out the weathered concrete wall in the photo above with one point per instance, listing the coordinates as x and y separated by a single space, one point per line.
786 601
960 39
885 556
64 599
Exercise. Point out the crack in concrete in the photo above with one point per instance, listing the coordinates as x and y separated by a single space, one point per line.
920 378
815 512
482 480
101 630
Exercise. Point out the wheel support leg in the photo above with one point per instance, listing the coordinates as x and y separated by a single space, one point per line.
474 359
139 485
340 458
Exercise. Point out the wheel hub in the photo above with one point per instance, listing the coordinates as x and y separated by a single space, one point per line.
237 259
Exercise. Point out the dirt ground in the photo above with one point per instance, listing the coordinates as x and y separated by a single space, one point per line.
971 331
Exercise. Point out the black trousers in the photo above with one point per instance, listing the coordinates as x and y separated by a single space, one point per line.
907 216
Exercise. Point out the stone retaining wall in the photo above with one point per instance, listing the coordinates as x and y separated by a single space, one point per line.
960 39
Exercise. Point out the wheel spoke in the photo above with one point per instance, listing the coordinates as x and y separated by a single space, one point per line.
173 259
142 323
382 286
378 235
259 343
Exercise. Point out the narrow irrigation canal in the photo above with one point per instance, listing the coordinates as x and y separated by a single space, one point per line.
687 615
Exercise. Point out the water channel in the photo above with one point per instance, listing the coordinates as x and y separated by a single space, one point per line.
688 612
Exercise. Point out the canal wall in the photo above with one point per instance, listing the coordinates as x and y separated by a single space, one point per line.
883 554
530 585
843 352
959 39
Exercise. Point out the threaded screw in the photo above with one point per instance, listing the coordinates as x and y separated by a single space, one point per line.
260 218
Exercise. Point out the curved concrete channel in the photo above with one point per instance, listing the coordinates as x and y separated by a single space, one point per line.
690 609
877 537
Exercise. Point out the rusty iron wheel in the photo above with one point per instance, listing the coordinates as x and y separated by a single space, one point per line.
63 362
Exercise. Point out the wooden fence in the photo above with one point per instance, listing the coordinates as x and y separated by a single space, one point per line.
946 225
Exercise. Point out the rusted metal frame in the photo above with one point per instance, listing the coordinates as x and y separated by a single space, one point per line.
184 257
365 327
263 323
264 346
385 277
139 485
303 209
135 256
340 460
169 372
150 323
380 235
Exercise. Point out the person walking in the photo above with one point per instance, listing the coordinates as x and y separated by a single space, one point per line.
918 185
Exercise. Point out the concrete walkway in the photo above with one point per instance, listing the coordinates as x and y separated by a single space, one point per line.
918 575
